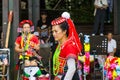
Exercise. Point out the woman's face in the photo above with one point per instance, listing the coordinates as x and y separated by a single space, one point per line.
58 33
26 28
44 16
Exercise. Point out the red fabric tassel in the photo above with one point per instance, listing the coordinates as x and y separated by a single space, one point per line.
17 67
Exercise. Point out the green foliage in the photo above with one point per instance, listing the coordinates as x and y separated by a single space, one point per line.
82 15
81 10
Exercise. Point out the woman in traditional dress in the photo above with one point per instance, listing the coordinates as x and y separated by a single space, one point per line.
26 45
69 47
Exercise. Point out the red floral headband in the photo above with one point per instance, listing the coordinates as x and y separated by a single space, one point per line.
23 22
58 21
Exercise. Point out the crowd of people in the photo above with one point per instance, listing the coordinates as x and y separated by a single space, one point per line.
64 40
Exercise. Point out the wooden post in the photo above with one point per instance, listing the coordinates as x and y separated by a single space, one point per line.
16 19
4 19
30 9
4 26
7 40
115 9
36 11
8 28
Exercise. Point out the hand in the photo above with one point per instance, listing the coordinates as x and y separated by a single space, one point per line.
36 47
104 7
111 54
39 57
56 78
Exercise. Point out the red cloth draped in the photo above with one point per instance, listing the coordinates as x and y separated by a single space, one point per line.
73 34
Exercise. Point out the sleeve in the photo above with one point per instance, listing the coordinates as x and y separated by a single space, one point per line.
18 40
115 44
95 2
71 51
71 69
35 40
106 1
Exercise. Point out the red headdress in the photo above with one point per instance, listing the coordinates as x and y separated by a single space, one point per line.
23 22
72 31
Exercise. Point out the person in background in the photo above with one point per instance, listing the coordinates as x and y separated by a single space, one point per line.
37 35
109 10
26 45
67 50
43 27
99 13
111 44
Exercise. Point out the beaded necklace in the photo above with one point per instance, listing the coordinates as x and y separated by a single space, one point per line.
56 62
25 42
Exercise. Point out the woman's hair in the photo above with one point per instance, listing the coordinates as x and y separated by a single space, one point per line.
64 26
109 33
19 34
43 13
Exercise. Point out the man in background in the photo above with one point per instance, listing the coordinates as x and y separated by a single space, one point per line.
111 44
109 10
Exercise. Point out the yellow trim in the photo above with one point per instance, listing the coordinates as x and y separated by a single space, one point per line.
21 57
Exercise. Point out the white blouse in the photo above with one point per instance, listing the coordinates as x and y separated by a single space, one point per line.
71 69
100 3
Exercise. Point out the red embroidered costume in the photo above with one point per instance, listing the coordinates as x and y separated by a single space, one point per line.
26 45
70 49
32 42
28 42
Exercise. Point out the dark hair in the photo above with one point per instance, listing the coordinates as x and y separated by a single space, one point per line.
109 33
64 26
43 13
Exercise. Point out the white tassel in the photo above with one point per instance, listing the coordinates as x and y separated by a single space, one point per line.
66 15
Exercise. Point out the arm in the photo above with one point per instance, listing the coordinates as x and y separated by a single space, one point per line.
112 53
38 29
114 50
37 47
115 47
38 26
95 4
105 5
17 48
71 69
